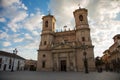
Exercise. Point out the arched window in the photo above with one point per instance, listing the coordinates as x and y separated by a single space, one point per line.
44 55
46 23
81 18
83 38
43 64
45 42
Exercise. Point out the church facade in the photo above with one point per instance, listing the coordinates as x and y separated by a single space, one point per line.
67 50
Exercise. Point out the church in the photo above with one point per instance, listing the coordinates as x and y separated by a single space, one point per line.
70 50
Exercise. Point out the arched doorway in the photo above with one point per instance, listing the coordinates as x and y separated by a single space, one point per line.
63 65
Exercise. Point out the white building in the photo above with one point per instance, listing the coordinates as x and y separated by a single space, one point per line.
10 61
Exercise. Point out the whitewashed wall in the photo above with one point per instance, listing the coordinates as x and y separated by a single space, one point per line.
5 61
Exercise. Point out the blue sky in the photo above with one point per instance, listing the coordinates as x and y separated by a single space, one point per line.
21 23
32 5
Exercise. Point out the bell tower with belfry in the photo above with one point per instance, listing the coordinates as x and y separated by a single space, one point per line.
48 30
83 37
47 37
82 26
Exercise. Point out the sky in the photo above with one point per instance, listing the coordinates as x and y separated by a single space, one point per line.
21 23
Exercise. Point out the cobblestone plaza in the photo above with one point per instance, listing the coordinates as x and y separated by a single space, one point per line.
26 75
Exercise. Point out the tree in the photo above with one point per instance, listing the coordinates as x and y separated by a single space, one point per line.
98 63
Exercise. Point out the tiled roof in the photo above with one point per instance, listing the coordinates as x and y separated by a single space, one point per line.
8 54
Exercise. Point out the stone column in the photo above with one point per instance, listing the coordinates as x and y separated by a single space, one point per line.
53 67
58 62
68 62
75 60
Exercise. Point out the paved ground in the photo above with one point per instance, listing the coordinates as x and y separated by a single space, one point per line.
27 75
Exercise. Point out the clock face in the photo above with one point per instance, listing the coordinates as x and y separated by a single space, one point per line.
81 18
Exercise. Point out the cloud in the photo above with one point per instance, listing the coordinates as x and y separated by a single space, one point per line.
11 3
17 19
33 22
6 44
18 40
104 25
15 11
59 9
63 11
10 8
34 45
14 23
29 51
21 15
35 33
3 35
27 36
13 26
2 20
101 16
6 3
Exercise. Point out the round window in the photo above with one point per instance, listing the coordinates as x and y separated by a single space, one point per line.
44 55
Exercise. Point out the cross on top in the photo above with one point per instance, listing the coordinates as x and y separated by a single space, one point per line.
65 27
49 12
79 5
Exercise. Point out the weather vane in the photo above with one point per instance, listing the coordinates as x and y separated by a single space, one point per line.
79 5
49 12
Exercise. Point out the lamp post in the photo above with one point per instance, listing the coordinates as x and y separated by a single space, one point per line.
14 53
83 46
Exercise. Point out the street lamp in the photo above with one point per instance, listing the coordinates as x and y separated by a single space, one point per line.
14 53
83 46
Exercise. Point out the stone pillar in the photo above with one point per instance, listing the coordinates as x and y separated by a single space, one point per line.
75 56
68 61
58 62
53 67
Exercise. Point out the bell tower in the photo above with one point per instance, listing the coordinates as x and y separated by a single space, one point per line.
82 26
83 37
47 37
81 18
48 23
48 29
